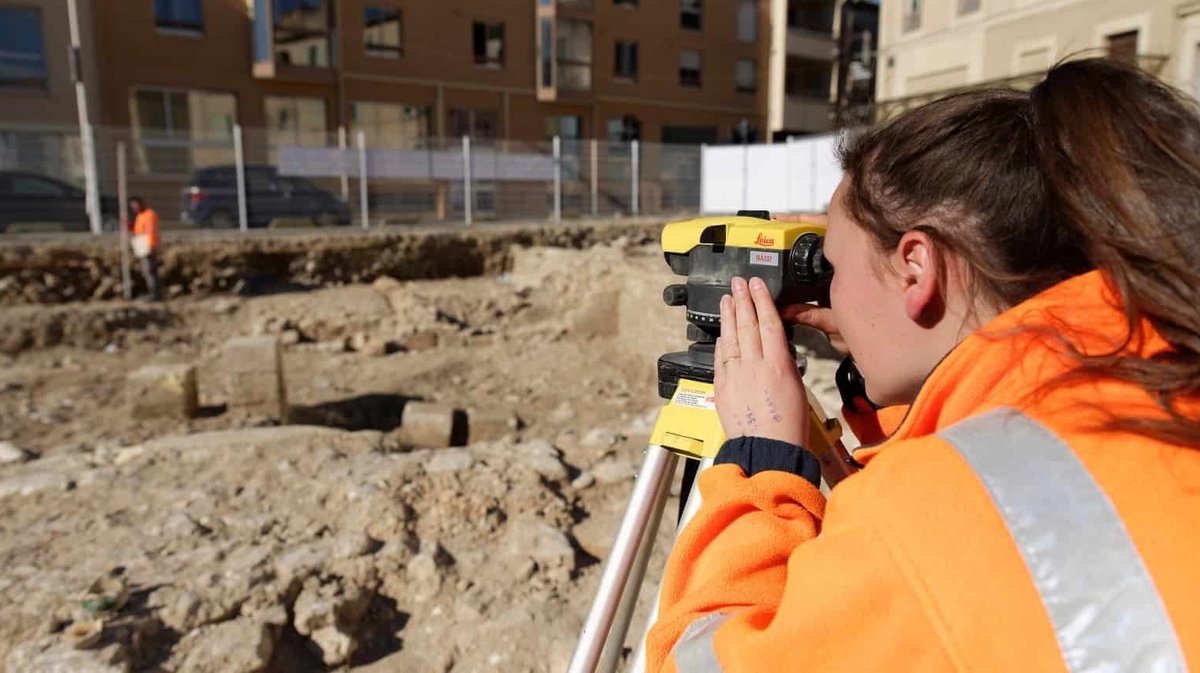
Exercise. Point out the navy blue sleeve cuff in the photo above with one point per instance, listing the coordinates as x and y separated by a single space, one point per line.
759 454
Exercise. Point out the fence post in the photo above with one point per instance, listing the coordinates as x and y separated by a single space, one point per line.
123 222
467 191
635 179
239 158
595 180
362 179
345 172
91 179
557 179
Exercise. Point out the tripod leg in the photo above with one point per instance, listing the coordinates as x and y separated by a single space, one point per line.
691 467
616 637
688 511
649 496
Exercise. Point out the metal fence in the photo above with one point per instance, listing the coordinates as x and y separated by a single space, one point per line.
253 178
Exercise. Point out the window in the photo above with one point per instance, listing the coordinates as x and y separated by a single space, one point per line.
746 75
392 125
295 120
481 124
22 51
177 130
184 15
567 127
744 132
967 6
31 185
689 14
912 15
574 55
625 3
747 20
689 68
807 78
383 32
1123 46
487 43
546 58
689 135
812 15
302 33
625 64
624 129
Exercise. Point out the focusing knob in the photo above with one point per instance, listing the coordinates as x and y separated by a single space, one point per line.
808 260
675 295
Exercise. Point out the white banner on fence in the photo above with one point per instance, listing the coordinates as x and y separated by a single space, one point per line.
486 164
797 176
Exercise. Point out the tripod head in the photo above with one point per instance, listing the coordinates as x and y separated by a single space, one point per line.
710 252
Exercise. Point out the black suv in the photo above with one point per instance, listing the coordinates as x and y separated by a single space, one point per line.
210 198
31 198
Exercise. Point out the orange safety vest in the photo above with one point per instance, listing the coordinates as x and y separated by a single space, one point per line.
1000 528
146 224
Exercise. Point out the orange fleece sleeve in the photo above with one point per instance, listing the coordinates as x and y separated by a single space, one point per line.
795 601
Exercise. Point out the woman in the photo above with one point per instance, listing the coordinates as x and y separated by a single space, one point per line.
1023 271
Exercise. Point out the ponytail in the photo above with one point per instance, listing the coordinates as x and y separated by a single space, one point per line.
1120 152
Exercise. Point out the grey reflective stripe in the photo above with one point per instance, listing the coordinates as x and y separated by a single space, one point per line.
694 651
1106 612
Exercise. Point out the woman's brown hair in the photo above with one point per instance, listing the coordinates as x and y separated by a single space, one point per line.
1098 167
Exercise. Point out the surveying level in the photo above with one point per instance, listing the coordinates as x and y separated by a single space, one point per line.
710 252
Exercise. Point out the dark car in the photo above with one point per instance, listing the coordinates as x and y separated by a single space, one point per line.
29 198
210 198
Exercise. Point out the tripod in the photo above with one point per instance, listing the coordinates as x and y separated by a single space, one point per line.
687 427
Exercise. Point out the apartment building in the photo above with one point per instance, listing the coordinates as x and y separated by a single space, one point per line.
929 47
802 57
403 70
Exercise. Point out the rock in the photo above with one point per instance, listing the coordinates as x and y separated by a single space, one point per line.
549 547
52 654
595 534
303 560
329 614
35 482
427 569
583 481
613 470
333 346
421 341
562 414
432 425
254 368
12 454
289 337
450 460
163 391
599 439
336 646
351 544
236 646
542 457
486 425
224 306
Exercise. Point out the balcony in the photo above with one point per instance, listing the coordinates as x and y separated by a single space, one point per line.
806 113
810 44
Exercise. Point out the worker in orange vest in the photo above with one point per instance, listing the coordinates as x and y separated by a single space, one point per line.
1022 271
145 243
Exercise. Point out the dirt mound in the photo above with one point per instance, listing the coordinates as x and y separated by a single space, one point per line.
239 545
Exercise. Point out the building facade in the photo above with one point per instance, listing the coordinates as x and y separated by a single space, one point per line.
402 70
802 60
929 47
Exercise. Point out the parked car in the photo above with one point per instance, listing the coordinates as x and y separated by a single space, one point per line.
29 198
210 198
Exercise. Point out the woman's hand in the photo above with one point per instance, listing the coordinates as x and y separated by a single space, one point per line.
759 392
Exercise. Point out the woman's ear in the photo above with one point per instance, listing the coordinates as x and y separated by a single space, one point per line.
916 261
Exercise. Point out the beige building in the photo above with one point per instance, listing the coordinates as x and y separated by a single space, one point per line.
800 67
931 46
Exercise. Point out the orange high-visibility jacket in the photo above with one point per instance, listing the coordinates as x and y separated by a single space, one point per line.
1000 528
146 224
